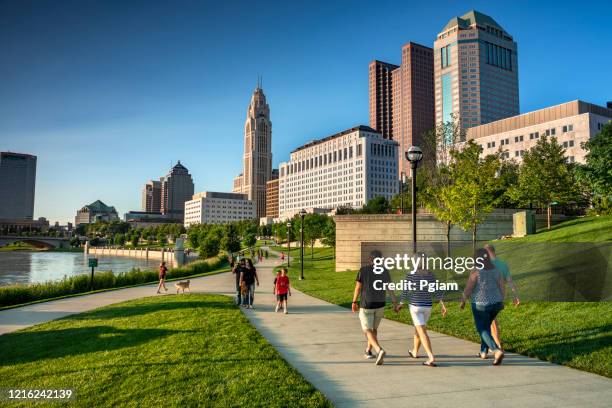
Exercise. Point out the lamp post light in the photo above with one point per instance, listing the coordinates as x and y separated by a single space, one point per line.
302 214
288 243
414 156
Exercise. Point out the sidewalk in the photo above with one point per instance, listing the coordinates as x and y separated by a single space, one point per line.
324 342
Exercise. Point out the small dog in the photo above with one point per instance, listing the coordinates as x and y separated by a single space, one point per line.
182 286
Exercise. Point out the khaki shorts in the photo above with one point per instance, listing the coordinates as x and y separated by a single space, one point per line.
370 318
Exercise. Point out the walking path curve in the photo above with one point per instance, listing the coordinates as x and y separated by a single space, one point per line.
324 342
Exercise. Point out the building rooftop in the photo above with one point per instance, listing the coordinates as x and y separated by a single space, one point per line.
362 128
536 117
471 18
99 206
216 194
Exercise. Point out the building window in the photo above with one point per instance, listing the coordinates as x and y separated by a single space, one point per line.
445 56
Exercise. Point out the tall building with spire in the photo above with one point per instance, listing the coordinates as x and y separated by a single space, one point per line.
257 168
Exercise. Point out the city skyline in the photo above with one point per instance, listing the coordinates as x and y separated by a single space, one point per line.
82 133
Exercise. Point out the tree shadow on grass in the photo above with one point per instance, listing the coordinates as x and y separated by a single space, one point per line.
35 346
120 311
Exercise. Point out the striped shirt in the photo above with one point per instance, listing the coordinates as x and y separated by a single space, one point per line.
418 296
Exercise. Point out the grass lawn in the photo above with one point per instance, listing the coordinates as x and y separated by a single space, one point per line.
173 350
577 334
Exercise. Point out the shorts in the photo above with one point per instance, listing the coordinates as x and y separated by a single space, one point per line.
282 297
370 318
420 314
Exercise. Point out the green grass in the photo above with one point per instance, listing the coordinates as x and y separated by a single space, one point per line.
174 350
584 229
13 295
19 246
576 334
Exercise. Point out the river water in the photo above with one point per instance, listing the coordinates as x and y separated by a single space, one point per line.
33 267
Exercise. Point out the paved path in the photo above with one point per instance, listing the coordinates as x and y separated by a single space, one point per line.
325 344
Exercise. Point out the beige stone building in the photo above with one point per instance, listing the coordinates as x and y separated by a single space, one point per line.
257 168
151 196
218 208
572 123
476 71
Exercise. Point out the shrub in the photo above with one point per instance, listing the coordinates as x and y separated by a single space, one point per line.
16 294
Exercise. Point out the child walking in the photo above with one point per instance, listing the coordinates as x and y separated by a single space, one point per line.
282 289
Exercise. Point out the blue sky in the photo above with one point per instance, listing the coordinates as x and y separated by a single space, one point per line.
109 93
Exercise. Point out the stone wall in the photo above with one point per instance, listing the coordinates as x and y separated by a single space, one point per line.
392 234
139 253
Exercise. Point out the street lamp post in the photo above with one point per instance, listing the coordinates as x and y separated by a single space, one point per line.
302 214
414 156
402 183
288 243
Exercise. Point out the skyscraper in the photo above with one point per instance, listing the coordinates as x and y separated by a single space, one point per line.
413 100
257 168
17 185
402 98
381 97
476 71
151 196
176 188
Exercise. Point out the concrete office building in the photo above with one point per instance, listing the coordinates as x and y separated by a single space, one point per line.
176 189
257 166
402 98
476 71
95 212
17 185
218 208
572 123
151 196
346 169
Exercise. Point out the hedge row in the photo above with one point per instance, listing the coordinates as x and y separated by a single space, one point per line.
18 294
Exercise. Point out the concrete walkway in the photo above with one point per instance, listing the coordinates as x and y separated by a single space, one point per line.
324 342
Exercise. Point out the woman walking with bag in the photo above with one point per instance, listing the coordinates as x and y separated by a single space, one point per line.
485 287
162 277
248 277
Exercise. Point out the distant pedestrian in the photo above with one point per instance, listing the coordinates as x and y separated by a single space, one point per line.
237 271
163 270
485 287
371 306
282 256
282 289
420 309
249 278
505 271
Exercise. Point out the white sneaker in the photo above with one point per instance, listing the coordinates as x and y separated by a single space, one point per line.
368 355
276 309
286 311
381 357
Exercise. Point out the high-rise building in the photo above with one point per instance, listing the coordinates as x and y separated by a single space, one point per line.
346 169
476 71
272 199
413 99
218 208
151 196
17 185
257 169
176 188
402 98
381 97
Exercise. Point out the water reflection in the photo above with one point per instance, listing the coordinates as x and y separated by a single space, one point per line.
32 267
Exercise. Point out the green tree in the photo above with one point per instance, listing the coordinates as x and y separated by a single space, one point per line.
314 225
435 175
596 174
134 239
249 240
329 234
377 205
230 241
209 247
161 238
119 239
545 177
471 197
